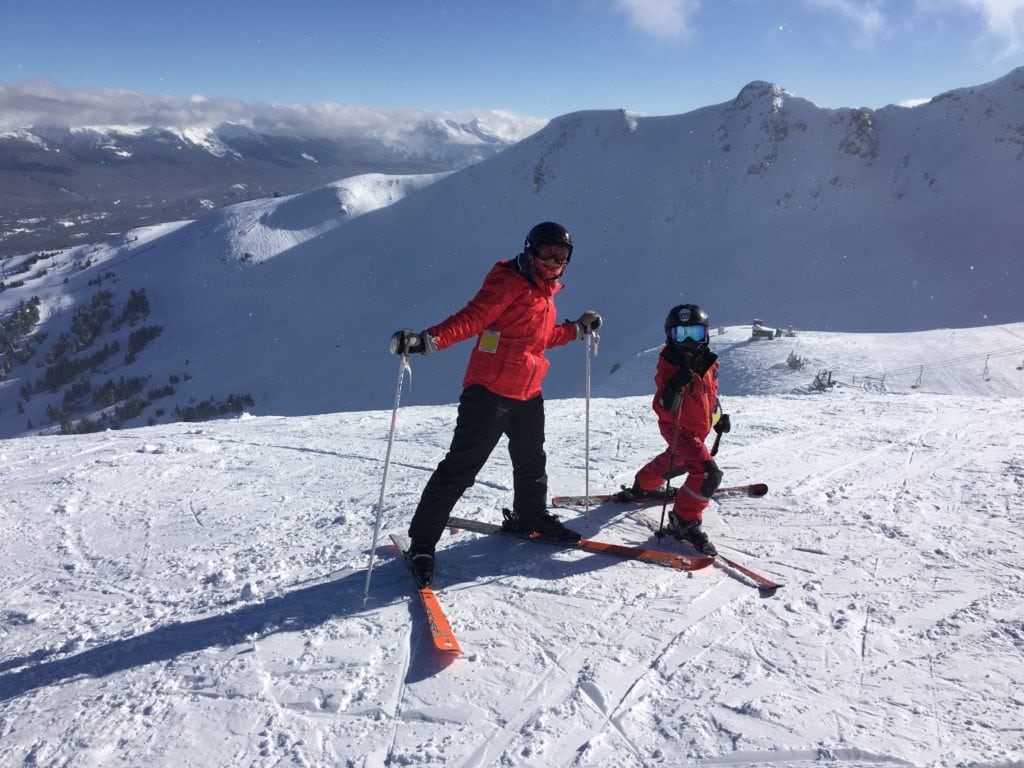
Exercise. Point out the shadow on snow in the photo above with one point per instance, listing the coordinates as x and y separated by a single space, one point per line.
305 608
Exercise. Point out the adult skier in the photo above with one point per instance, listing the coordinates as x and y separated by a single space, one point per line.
514 321
687 407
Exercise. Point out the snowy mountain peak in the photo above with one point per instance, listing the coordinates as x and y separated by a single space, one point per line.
64 185
760 94
20 135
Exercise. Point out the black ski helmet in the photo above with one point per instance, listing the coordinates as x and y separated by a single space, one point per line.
547 232
686 314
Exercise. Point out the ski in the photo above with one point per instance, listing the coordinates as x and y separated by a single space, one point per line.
440 631
751 490
765 585
679 561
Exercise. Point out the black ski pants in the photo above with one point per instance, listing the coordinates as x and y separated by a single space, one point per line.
483 418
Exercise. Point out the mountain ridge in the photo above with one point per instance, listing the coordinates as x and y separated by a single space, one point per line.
900 219
60 185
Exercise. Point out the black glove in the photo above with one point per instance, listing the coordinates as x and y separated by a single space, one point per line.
723 425
703 359
588 322
712 479
672 393
671 398
405 341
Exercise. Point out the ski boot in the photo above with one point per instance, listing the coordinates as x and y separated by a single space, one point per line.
691 532
421 561
636 493
542 522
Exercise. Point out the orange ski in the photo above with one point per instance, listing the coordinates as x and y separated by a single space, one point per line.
677 560
440 631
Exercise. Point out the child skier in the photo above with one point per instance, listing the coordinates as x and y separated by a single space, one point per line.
686 402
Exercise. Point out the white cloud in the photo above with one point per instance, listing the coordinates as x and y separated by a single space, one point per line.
1004 19
865 15
45 103
662 19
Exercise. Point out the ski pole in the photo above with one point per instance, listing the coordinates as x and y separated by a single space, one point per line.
586 466
668 480
403 366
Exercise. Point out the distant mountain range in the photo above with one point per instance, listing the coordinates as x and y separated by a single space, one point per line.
62 186
766 206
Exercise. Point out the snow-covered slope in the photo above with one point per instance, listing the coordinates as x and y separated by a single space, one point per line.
767 206
983 361
256 231
193 594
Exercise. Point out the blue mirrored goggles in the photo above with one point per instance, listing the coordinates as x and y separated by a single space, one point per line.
681 333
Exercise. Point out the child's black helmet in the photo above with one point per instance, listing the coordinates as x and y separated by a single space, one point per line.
686 316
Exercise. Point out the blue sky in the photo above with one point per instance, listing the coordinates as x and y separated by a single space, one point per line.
532 58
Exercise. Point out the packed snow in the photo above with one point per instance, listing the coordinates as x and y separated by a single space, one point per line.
193 594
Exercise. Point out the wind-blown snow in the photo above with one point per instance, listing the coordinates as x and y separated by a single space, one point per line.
192 594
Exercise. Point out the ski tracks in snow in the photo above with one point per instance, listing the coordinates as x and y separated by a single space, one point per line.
583 695
207 581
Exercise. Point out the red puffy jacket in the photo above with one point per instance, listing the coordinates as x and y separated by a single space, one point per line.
513 318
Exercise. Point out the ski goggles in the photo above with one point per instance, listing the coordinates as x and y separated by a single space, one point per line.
553 253
680 333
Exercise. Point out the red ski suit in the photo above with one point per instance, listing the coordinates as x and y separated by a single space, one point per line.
694 424
514 319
